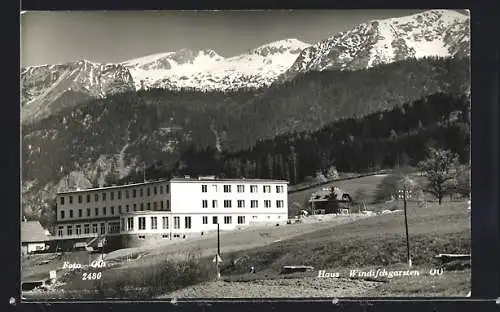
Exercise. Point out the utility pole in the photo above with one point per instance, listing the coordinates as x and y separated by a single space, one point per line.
218 239
406 227
218 253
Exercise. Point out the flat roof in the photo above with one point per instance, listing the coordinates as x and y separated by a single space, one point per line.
145 212
226 180
201 179
114 187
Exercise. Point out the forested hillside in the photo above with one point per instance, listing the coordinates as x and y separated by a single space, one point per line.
114 138
396 137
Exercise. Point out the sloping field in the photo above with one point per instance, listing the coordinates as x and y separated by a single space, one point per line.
372 243
368 184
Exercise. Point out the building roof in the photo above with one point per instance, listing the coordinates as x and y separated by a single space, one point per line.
113 187
32 231
185 179
322 195
204 179
146 212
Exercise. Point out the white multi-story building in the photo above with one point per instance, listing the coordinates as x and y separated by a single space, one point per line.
170 209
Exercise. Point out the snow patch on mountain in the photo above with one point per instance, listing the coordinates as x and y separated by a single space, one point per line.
207 70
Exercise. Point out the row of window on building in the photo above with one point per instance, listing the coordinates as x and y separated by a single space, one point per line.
155 206
241 188
128 193
127 224
241 203
113 227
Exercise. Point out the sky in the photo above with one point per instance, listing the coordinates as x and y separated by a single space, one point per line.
111 37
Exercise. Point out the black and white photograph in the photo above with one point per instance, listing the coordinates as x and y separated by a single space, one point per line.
245 154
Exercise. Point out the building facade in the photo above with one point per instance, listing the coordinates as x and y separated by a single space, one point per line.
181 207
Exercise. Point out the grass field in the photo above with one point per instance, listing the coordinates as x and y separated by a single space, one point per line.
372 243
337 245
368 184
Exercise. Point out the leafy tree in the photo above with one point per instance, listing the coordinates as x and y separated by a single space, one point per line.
386 189
439 168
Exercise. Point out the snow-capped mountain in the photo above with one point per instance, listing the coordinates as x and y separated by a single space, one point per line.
441 33
207 70
50 88
47 89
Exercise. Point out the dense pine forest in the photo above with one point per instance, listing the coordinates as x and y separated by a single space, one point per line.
396 137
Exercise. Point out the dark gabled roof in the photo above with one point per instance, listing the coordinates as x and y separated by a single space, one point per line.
32 231
324 193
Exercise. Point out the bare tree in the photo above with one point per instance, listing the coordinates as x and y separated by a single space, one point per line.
439 169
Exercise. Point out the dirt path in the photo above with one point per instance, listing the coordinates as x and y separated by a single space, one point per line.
299 287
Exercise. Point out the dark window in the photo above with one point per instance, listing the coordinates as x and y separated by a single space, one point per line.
62 214
112 195
154 223
62 200
227 188
161 205
127 208
141 192
142 207
96 197
204 203
119 209
187 222
135 207
80 213
88 212
148 191
214 220
154 206
203 188
168 204
161 189
142 223
149 206
96 211
112 210
227 203
205 220
88 198
134 193
103 211
104 196
119 194
167 188
70 199
79 199
127 194
155 190
71 214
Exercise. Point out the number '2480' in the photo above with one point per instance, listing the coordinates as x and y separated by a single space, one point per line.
91 276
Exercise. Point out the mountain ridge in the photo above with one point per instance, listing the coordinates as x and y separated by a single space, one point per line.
443 33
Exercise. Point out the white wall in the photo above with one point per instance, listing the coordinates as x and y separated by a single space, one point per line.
115 203
187 197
